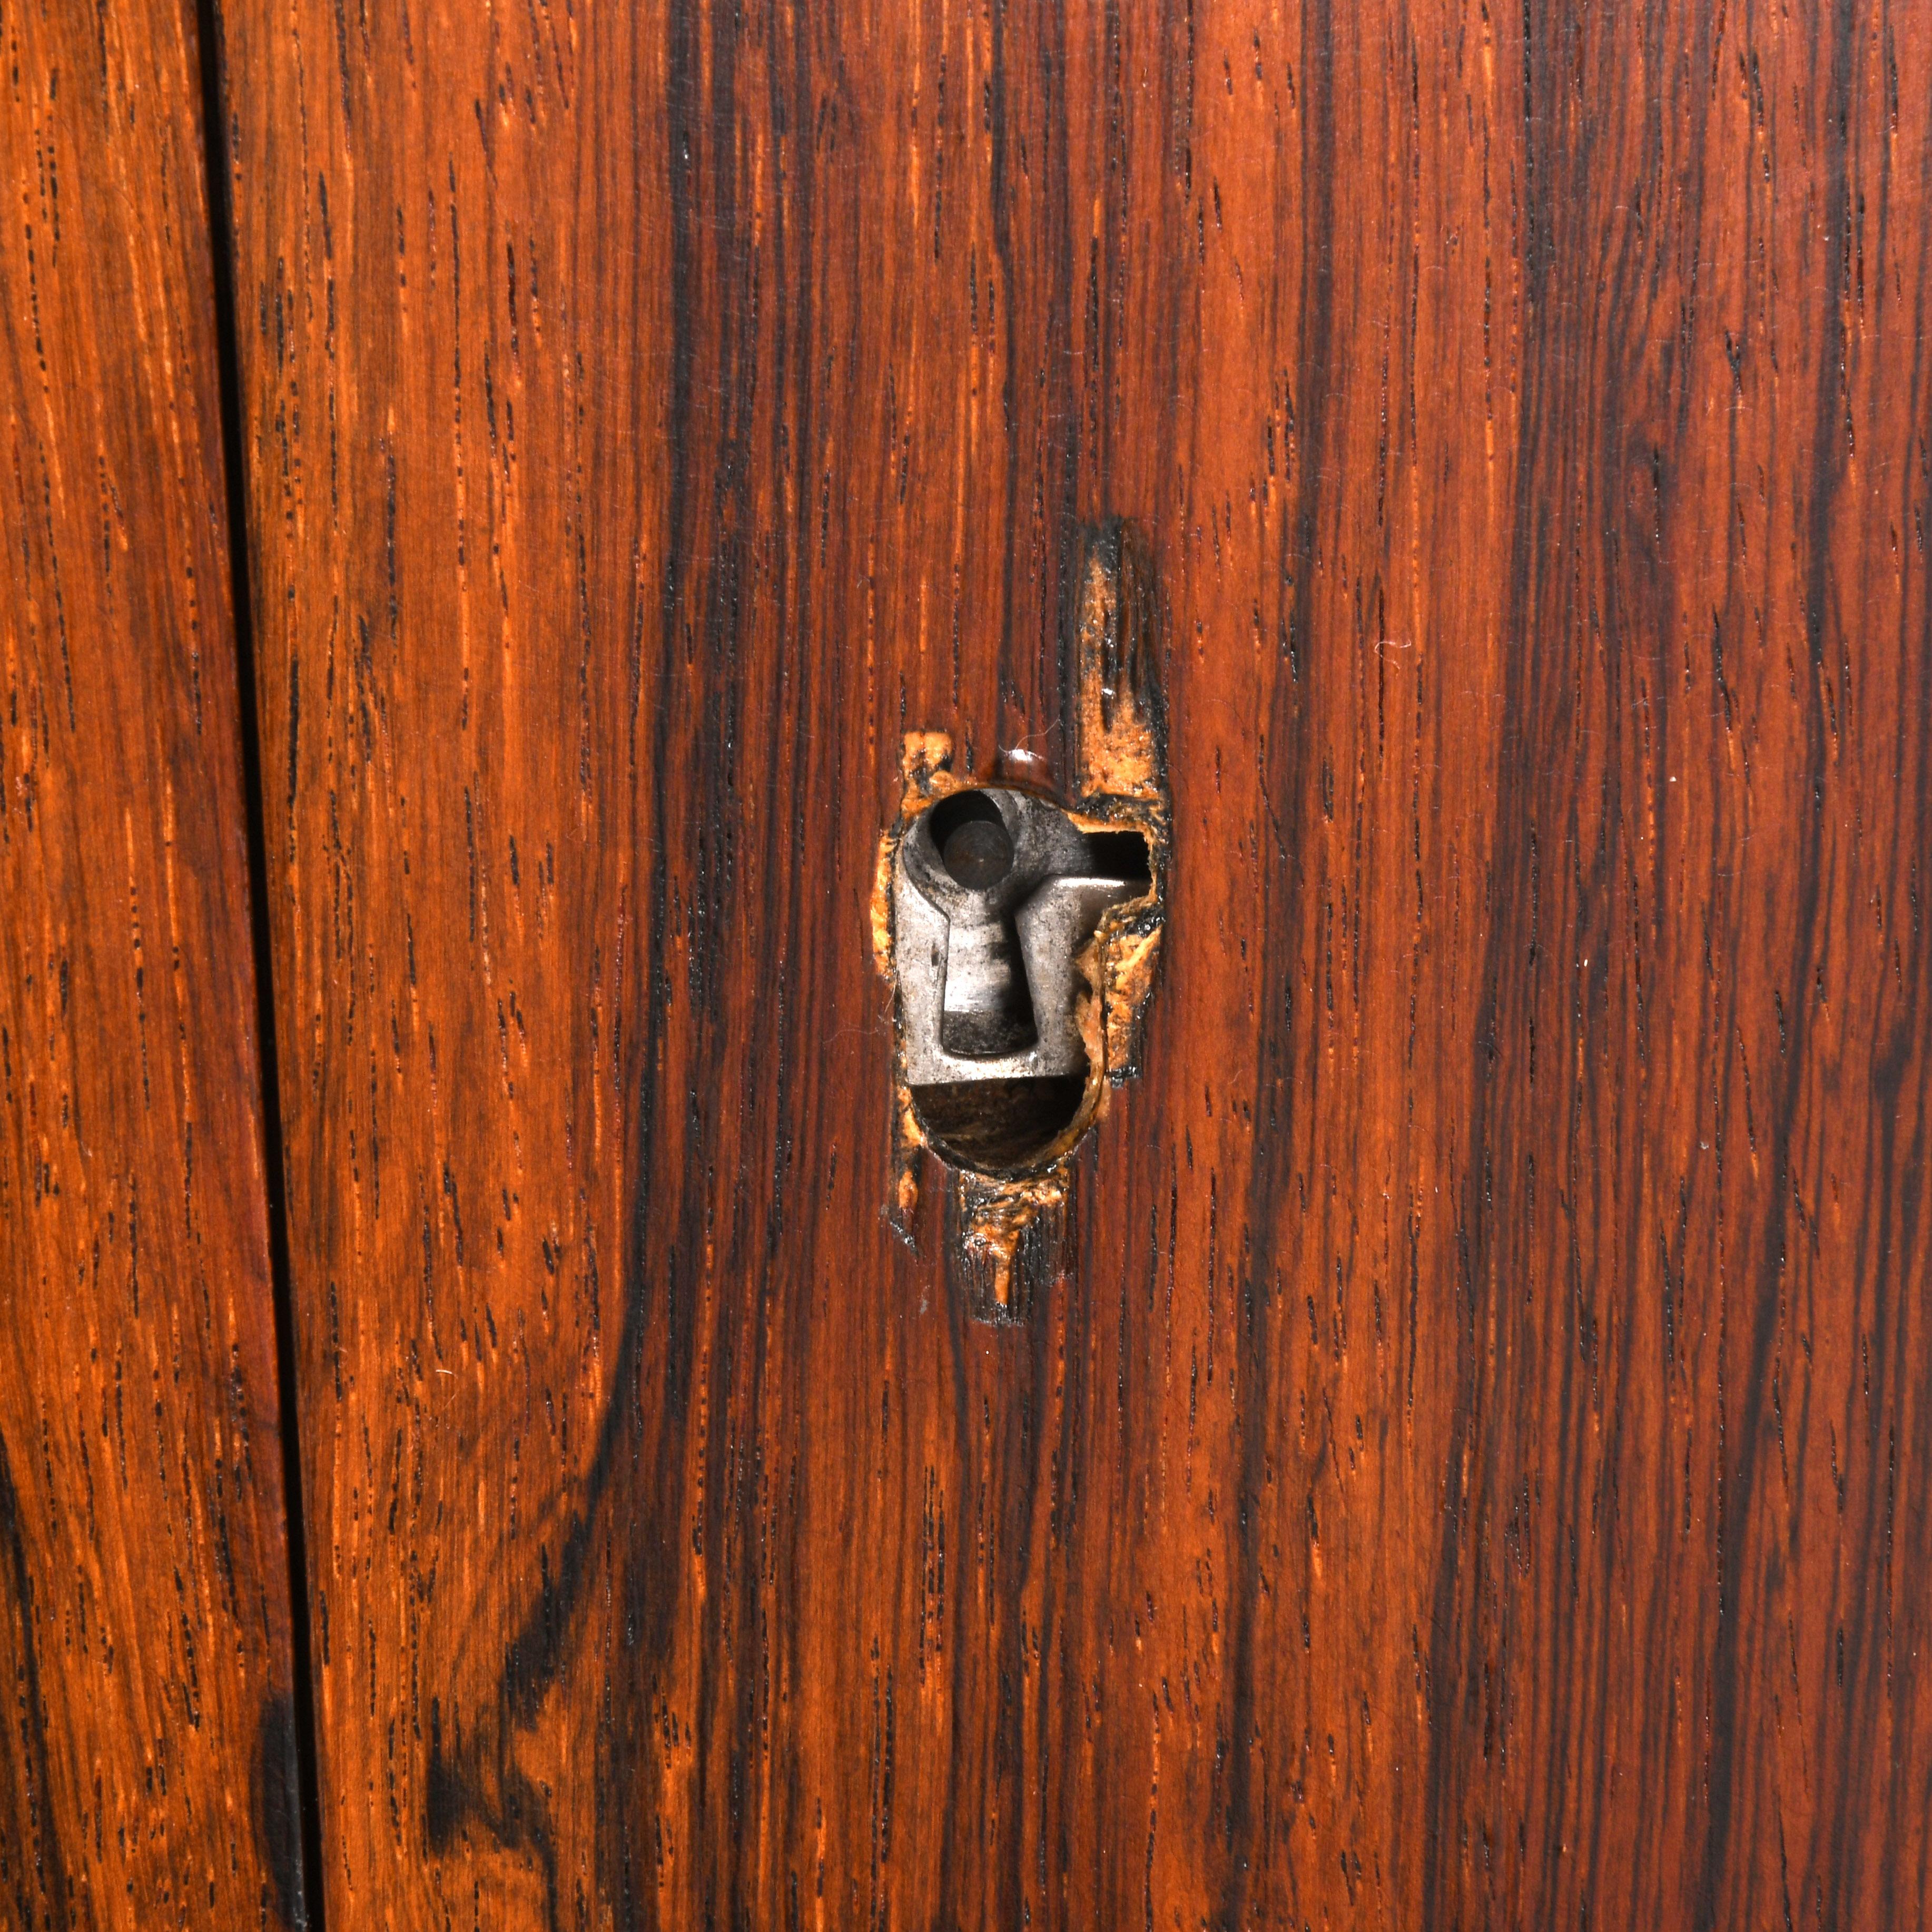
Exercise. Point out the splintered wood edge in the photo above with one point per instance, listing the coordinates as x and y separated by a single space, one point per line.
995 1215
926 775
1119 728
1121 784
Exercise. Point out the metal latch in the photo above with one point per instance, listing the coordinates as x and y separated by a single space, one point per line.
997 893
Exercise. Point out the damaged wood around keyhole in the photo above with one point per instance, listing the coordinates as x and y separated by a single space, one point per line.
1019 933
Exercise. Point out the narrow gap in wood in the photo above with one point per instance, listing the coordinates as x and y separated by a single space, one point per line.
302 1901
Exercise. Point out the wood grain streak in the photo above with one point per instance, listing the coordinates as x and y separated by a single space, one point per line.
1471 1466
147 1763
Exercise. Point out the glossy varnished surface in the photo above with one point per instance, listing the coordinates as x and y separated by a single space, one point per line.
147 1751
1472 1470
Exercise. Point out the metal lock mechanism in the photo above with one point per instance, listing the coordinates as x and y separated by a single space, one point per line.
996 892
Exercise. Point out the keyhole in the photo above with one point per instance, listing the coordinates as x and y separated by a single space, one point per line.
1000 890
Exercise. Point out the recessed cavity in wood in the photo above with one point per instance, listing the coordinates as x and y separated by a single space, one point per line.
1019 932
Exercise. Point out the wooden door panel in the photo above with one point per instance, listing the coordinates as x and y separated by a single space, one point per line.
1464 1464
147 1759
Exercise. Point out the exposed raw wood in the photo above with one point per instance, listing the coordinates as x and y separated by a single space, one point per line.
1469 1467
147 1753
